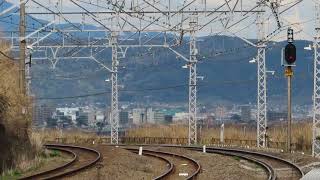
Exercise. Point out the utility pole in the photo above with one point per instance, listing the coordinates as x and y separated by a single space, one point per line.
22 60
290 57
114 118
316 88
22 47
28 74
289 74
193 81
262 84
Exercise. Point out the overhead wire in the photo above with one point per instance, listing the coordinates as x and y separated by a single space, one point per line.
52 40
147 89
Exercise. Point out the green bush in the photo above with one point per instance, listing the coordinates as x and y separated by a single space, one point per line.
54 153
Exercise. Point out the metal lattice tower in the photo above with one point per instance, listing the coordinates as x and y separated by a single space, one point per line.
193 82
262 89
135 17
114 116
316 89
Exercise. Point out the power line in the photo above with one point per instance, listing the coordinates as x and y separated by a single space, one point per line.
148 89
107 92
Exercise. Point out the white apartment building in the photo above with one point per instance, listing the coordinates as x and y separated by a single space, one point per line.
180 116
143 115
71 112
137 115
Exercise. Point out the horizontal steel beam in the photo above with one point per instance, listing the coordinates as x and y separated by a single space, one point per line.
96 46
145 12
162 30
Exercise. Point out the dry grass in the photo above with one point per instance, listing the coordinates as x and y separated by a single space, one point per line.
47 135
301 135
230 132
14 103
301 132
176 131
14 124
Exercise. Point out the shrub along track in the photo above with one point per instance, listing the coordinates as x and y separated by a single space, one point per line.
83 158
179 166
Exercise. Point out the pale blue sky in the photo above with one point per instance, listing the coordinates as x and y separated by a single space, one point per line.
303 14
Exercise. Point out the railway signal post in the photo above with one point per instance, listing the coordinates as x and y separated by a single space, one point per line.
290 58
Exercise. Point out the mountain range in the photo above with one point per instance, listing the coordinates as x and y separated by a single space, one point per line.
156 74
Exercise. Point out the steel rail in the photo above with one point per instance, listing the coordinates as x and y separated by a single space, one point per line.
55 171
57 168
195 163
164 174
246 156
294 166
252 153
269 169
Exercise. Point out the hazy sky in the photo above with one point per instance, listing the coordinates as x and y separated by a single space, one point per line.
303 14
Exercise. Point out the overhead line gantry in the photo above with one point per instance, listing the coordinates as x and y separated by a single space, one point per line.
139 17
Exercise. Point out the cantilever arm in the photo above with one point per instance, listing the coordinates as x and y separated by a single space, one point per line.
180 55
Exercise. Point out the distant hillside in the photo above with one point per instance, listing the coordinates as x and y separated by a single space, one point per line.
149 75
228 77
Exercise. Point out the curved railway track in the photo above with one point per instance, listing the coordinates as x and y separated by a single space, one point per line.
282 168
275 167
168 162
177 164
82 158
266 166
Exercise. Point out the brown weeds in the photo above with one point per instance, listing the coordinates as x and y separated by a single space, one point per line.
15 116
301 132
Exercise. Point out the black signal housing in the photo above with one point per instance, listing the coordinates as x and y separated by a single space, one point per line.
290 53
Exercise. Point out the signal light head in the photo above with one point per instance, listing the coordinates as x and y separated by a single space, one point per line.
290 53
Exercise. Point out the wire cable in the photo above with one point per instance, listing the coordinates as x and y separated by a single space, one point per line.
148 89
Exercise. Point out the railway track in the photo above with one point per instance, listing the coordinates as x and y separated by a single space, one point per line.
82 158
179 166
270 172
282 168
275 167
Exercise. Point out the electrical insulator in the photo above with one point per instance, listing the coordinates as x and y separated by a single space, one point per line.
30 60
